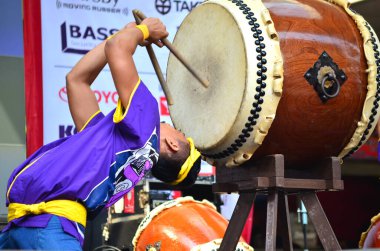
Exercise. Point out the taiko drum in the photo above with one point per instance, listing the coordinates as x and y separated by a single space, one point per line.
292 77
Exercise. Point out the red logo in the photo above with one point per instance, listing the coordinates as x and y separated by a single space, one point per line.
63 94
164 106
101 96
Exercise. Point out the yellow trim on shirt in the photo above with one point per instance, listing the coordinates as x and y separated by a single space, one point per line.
69 209
26 167
88 121
120 113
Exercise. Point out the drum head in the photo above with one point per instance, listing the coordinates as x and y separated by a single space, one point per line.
217 51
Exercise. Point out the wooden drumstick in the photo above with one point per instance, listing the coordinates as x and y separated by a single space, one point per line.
173 50
156 66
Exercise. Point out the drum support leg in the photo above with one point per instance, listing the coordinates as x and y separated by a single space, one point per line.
238 219
270 242
284 221
318 217
268 175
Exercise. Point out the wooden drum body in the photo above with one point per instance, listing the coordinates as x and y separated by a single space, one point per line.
296 77
183 224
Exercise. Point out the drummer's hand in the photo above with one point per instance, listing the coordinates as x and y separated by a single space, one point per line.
157 30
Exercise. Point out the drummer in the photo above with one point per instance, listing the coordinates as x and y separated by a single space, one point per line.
49 195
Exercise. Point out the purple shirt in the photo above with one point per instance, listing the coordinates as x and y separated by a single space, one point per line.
96 166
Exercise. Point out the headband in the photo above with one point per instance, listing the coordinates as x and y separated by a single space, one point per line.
186 167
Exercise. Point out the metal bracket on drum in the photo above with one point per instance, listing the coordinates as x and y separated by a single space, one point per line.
326 77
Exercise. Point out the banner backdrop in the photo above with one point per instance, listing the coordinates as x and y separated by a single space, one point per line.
70 28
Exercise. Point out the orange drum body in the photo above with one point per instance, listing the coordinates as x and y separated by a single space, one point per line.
293 77
182 224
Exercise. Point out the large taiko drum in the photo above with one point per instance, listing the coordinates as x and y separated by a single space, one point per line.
183 224
293 77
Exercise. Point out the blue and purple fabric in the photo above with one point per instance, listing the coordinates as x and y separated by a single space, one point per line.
96 167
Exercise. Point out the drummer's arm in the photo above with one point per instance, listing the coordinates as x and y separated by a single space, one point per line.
119 51
82 100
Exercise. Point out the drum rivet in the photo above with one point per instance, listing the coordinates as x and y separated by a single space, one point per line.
264 77
324 55
261 101
308 75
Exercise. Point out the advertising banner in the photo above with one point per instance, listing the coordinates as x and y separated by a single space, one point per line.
70 28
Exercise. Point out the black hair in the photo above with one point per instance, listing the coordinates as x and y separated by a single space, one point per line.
169 166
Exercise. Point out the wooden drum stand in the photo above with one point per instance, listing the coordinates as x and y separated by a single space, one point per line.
269 176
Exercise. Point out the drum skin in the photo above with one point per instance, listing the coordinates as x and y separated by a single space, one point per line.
371 238
305 128
182 227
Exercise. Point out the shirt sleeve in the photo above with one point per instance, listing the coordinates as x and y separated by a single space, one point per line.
139 118
93 120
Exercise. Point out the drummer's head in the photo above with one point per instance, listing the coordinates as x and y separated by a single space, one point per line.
179 161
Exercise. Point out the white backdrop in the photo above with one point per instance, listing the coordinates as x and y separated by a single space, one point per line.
72 27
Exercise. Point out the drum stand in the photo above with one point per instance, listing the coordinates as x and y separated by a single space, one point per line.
269 176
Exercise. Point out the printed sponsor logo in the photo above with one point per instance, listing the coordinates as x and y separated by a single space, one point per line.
79 39
104 6
66 131
165 6
164 107
107 97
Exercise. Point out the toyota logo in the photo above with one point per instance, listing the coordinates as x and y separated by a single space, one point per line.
163 6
